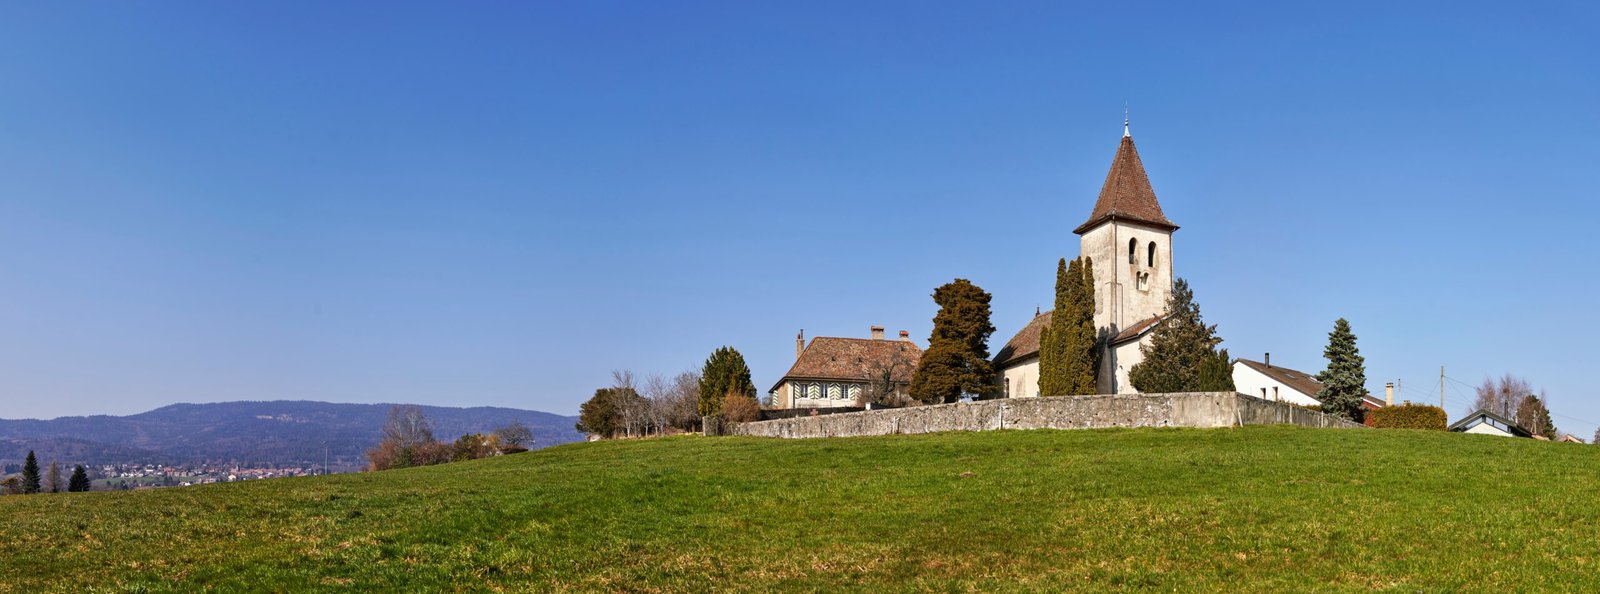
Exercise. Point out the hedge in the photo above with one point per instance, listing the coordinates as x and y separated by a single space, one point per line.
1408 416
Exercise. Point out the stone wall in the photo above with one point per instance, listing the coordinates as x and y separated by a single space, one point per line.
1196 409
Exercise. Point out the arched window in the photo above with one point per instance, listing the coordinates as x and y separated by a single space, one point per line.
1151 259
1133 248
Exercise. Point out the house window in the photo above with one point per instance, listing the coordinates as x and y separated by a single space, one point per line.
1263 393
1274 392
1133 248
1151 259
834 392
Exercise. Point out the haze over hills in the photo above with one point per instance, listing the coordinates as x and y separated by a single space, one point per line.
276 433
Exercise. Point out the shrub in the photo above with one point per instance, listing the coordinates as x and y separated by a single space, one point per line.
1408 416
738 408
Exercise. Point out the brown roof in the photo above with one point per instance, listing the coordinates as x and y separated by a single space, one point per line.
1026 343
1127 194
854 359
1138 329
1302 382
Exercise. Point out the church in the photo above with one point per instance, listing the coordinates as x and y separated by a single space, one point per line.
1130 242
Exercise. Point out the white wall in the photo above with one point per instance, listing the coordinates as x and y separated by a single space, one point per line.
1119 302
1483 428
1252 382
1023 378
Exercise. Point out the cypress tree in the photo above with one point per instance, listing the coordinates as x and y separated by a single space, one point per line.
725 373
30 474
957 360
1344 382
1182 349
1054 359
79 483
1082 345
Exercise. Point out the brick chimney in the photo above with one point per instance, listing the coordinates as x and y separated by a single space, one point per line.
905 336
799 343
1388 394
877 332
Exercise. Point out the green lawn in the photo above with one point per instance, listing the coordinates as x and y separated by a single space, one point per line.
1256 509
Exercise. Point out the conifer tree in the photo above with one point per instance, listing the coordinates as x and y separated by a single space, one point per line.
1182 355
1533 415
1053 355
957 360
1344 382
79 483
1082 345
725 373
30 474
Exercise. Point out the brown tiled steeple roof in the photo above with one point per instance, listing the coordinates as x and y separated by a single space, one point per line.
1127 194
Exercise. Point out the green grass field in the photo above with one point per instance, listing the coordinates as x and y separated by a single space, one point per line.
1253 509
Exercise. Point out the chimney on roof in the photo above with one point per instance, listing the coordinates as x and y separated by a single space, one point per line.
1388 394
1269 360
799 343
905 336
877 332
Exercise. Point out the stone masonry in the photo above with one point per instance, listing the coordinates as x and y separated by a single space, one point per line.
1193 409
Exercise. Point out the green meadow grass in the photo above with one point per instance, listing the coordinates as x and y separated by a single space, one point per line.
1254 509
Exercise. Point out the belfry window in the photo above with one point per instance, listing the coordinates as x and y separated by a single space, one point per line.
1151 259
1133 248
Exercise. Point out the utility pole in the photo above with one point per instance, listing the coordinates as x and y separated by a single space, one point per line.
1441 388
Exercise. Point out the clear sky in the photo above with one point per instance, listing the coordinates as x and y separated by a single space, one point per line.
487 204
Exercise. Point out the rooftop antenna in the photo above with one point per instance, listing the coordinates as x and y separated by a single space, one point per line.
1125 133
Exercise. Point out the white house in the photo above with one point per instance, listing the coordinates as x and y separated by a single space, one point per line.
1484 422
1275 382
1129 241
834 372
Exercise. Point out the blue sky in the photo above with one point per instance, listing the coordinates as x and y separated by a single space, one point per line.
483 204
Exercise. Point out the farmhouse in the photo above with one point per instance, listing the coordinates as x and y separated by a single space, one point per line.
1130 242
836 372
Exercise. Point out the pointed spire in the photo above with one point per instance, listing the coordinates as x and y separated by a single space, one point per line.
1127 194
1125 133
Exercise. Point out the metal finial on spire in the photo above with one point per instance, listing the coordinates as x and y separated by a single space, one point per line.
1125 132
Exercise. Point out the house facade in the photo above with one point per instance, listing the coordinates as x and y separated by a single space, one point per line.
1483 422
836 372
1129 241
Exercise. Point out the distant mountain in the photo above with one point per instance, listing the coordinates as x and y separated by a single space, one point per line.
278 433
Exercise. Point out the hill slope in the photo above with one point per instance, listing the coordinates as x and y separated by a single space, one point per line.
282 433
1256 509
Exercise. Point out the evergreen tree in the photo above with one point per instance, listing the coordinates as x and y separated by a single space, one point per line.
1182 355
30 474
725 373
957 360
1344 382
1535 417
52 479
1053 356
602 414
79 483
1082 344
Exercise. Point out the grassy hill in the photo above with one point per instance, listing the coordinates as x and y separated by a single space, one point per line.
1258 509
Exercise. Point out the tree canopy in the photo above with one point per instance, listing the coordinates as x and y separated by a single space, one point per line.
1344 382
957 360
1533 415
1182 354
725 373
1068 351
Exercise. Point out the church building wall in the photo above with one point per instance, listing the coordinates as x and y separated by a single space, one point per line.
1127 292
1020 380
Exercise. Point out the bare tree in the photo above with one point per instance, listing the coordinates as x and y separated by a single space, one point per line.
881 388
1502 396
515 437
633 411
53 481
407 426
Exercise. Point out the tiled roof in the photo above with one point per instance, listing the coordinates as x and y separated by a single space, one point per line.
1025 344
1137 329
1127 194
854 359
1300 381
